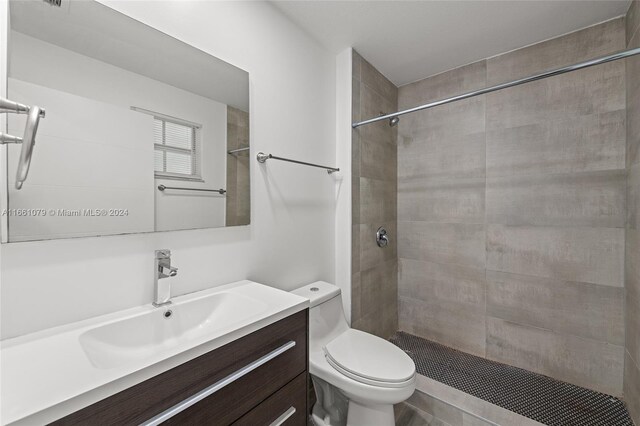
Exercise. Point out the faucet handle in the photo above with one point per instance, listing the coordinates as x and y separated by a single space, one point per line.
163 254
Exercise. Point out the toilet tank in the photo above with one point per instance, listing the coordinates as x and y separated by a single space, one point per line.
326 316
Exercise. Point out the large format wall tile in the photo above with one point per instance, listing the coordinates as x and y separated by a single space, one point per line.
378 286
444 122
632 387
589 91
442 200
355 178
369 324
383 322
595 199
371 105
633 100
633 197
591 255
632 20
444 322
521 195
238 205
356 296
379 161
452 243
632 265
632 313
355 98
449 83
356 65
585 362
451 157
441 210
377 200
425 281
576 144
355 248
445 303
379 296
370 254
374 203
581 45
580 309
373 78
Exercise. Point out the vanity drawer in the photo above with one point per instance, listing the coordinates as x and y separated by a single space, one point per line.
234 400
287 407
145 400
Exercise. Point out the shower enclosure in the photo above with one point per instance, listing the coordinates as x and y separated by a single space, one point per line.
512 215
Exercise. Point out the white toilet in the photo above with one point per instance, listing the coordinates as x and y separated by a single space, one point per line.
357 376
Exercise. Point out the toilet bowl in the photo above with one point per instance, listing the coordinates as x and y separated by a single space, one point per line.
356 375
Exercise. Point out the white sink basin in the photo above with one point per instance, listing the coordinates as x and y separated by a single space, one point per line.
90 360
151 333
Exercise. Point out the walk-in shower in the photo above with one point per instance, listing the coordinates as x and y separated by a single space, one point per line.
509 193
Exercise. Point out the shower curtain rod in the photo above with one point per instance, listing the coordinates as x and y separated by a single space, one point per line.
597 61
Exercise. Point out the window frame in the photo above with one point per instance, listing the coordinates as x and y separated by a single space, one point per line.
195 151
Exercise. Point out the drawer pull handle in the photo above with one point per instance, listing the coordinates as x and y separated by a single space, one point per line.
208 391
283 417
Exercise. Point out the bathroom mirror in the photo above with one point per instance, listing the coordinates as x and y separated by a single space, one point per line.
142 133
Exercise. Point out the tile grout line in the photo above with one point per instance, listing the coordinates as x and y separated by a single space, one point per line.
485 227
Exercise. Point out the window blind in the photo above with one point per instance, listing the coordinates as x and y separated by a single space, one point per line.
175 152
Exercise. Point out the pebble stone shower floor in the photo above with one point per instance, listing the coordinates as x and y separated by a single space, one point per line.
532 395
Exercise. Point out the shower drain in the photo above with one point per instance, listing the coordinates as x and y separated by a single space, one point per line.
532 395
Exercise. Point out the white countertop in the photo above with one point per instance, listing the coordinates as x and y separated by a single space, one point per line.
47 375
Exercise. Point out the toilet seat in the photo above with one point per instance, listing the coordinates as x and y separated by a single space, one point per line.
369 359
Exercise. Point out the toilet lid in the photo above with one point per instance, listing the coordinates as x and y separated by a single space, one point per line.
362 355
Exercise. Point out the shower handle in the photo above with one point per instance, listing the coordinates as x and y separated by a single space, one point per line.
381 237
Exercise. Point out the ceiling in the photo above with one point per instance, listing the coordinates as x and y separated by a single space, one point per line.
92 29
410 40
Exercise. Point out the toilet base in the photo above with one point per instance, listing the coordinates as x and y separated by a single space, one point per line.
370 415
334 408
360 415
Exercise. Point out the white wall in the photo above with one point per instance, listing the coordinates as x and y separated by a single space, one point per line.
4 42
343 219
32 60
291 237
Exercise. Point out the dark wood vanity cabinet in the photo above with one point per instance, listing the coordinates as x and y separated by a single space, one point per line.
273 391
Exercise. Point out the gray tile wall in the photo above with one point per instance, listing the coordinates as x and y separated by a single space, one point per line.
441 210
512 210
374 288
238 200
632 266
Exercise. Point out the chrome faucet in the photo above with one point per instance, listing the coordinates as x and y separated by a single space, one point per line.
162 293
